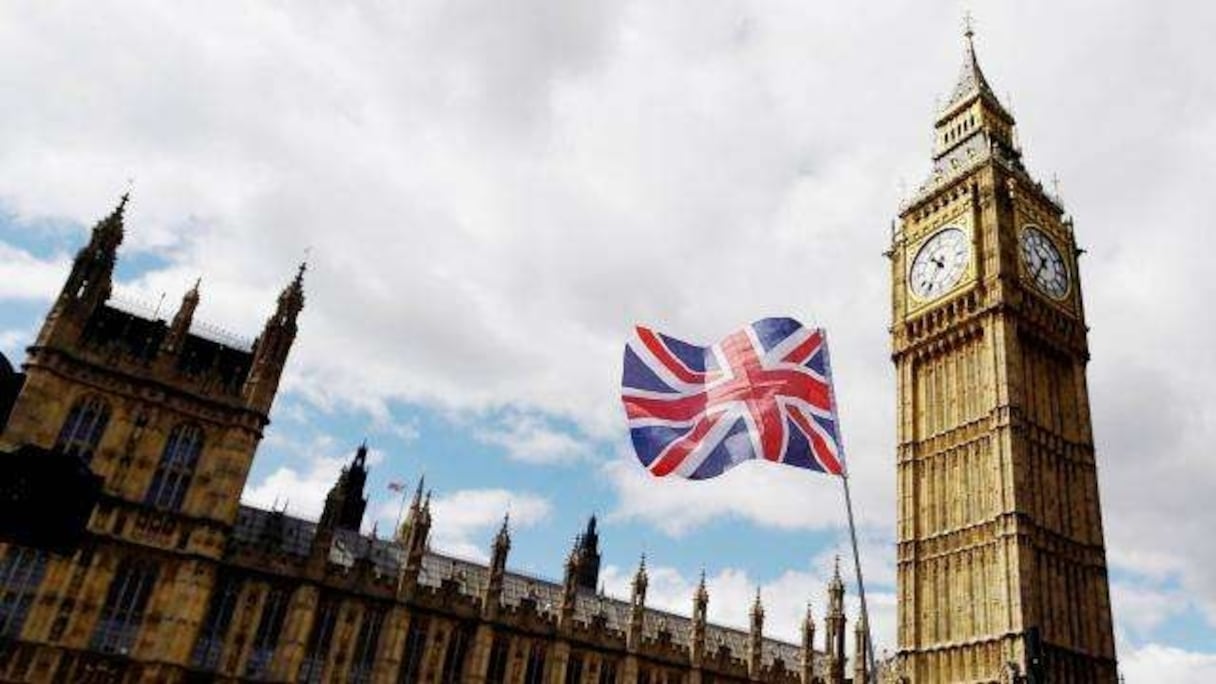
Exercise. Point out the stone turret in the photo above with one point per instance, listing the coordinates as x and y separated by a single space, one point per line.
700 618
755 642
180 327
834 626
861 651
346 501
272 346
498 569
637 605
90 282
586 557
808 646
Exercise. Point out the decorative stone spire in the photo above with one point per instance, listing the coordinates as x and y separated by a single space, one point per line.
272 346
808 646
834 626
861 651
640 581
971 82
700 615
755 645
492 600
586 557
90 281
180 327
637 606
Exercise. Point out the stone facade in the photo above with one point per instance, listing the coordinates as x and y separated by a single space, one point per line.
1001 559
175 580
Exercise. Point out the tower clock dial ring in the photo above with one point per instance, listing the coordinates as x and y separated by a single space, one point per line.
939 264
1044 265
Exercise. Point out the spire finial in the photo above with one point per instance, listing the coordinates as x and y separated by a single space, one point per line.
968 27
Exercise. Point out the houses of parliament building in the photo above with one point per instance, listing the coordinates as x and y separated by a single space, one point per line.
1000 553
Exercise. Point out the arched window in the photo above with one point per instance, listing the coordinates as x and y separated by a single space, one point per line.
176 467
82 430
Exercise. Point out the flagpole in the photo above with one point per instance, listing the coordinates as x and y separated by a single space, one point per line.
872 677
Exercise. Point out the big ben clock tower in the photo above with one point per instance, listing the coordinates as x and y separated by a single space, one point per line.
1001 560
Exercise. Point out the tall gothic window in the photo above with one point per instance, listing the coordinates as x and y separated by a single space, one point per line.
458 649
210 641
574 669
123 611
607 671
535 671
318 641
500 652
365 644
274 610
176 467
415 649
21 571
81 432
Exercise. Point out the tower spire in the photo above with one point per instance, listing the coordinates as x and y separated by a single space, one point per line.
971 81
272 346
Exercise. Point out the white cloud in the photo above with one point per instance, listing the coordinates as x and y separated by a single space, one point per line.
529 439
24 276
1161 664
464 521
772 496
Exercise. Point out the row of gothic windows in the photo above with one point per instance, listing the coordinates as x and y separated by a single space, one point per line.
423 637
85 425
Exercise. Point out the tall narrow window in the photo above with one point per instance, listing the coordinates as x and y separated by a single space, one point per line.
365 644
123 611
496 673
458 649
21 571
81 432
318 642
535 671
274 610
607 671
176 467
415 649
574 669
210 641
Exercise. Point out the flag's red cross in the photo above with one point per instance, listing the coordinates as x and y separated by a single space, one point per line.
757 387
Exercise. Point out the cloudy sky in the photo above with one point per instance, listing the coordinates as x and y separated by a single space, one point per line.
492 193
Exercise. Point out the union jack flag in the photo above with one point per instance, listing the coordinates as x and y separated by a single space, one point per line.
763 392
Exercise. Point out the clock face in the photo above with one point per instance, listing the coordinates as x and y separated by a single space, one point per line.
940 263
1044 265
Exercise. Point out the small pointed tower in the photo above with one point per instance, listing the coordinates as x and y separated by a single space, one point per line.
755 642
492 600
808 646
586 557
90 282
416 530
346 501
180 327
861 651
834 626
637 605
700 619
272 346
